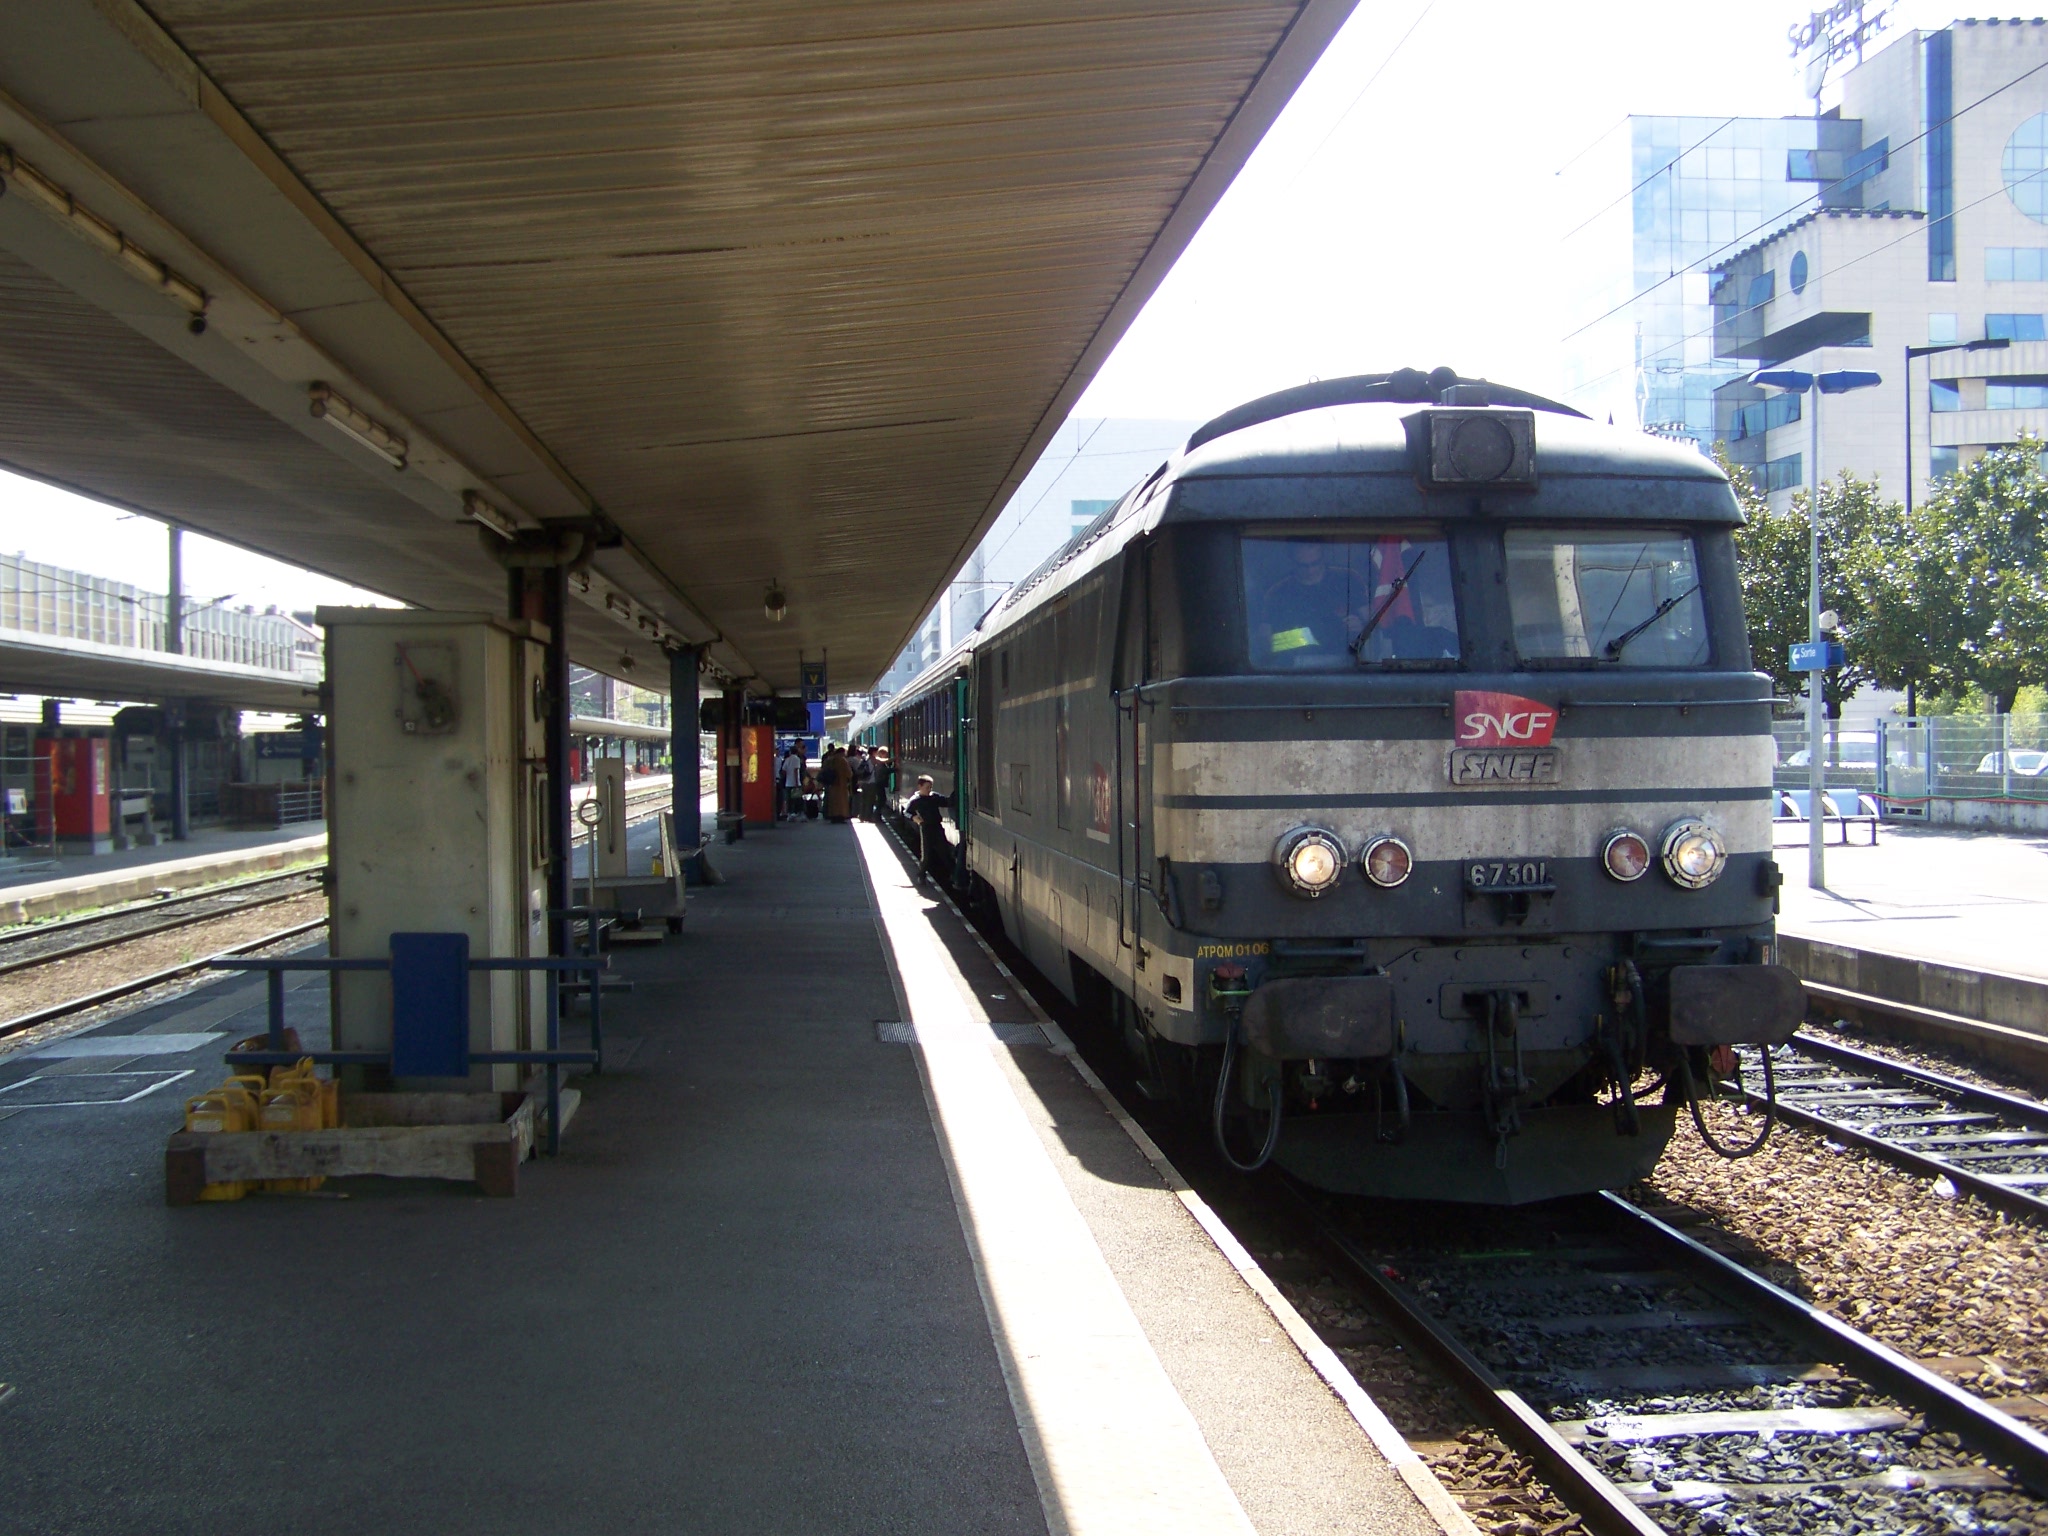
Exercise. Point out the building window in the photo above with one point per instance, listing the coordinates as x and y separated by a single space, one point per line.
1939 96
2015 264
1941 328
1759 417
1762 289
1798 273
1941 463
2014 328
1783 474
1944 395
2026 168
2015 394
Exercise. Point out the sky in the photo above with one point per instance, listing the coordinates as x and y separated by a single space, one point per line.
1407 207
1405 210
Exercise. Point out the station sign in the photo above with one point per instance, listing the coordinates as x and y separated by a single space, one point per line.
1817 655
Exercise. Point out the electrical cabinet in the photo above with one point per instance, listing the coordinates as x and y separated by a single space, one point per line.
438 816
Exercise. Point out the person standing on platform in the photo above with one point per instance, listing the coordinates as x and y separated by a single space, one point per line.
863 783
837 779
878 793
927 811
789 783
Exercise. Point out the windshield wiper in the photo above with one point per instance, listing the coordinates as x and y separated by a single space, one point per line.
1400 585
1620 642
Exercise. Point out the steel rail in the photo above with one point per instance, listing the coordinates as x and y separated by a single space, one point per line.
1604 1506
2006 1197
28 932
111 940
1985 1428
56 1011
1605 1509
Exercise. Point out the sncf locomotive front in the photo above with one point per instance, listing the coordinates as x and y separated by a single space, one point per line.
1435 782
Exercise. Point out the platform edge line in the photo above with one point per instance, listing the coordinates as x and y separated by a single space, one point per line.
1020 1409
1406 1461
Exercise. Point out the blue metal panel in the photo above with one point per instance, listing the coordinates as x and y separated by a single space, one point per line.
430 1004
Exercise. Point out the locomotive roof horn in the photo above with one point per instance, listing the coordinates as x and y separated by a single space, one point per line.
1404 386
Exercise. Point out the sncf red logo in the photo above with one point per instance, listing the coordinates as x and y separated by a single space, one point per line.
1501 720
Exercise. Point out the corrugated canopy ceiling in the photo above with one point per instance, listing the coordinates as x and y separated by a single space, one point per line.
786 291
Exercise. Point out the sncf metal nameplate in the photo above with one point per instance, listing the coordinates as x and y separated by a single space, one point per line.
1482 767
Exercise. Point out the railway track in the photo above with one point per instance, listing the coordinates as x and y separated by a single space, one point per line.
42 944
179 972
1991 1143
1658 1386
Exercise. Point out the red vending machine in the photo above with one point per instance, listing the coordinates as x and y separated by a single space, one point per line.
81 807
757 774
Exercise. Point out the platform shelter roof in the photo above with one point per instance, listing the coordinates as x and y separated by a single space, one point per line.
785 292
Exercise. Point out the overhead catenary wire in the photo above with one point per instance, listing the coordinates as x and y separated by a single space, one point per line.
1918 229
1738 243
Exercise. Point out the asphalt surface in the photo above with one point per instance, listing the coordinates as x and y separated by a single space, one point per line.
739 1302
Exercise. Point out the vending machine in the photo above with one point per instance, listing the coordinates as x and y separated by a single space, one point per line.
79 809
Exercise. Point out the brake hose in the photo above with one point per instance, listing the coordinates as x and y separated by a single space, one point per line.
1222 1096
1692 1100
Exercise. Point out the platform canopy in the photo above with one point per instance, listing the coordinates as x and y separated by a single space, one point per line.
61 667
782 292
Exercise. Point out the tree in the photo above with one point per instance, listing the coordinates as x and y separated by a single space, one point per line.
1906 633
1976 556
1771 551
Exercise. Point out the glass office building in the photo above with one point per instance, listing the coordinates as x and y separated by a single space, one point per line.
1657 202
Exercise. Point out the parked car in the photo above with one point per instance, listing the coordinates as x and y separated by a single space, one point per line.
1851 749
2024 761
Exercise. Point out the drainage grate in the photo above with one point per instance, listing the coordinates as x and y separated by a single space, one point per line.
75 1090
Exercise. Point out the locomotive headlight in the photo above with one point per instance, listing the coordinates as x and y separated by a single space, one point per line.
1310 861
1386 860
1694 854
1625 855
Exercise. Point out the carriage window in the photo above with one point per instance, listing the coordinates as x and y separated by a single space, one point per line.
1329 604
1607 598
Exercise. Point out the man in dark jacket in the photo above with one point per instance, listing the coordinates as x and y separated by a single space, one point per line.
927 812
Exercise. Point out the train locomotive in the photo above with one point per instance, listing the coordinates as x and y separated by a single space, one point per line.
1388 769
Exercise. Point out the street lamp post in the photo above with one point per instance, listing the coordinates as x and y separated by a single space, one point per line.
1989 344
1813 386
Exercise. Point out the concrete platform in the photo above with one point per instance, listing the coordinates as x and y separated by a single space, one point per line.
99 880
788 1276
1976 900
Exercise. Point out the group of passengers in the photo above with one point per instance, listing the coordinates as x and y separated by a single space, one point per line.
856 781
849 781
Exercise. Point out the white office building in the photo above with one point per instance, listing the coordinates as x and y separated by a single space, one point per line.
1949 248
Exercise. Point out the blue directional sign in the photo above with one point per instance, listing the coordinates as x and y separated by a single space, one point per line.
1817 655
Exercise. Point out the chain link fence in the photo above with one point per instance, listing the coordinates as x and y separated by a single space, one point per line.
1938 757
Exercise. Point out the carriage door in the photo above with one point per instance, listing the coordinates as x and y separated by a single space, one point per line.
1133 668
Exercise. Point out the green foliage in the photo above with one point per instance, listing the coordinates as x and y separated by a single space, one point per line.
1953 603
1978 553
1772 552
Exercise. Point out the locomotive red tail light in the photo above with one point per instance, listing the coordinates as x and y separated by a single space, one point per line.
1386 861
1626 856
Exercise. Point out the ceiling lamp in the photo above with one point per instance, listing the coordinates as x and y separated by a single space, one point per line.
775 603
356 424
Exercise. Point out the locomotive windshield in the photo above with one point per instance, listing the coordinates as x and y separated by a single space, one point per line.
1330 604
1606 598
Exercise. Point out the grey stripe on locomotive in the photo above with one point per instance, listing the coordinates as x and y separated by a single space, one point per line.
1451 626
